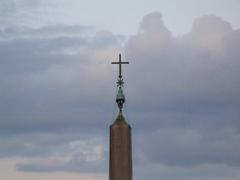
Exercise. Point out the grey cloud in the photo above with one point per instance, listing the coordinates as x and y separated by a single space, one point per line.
207 172
190 84
42 75
54 152
13 32
189 148
104 39
183 71
153 23
182 96
7 7
72 152
72 166
19 11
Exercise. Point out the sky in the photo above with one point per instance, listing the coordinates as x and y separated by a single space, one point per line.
58 87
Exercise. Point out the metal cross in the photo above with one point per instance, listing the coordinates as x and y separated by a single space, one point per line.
120 65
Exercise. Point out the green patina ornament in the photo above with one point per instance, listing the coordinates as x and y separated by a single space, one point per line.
120 95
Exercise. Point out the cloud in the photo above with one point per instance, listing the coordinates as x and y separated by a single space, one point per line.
193 147
52 152
185 69
57 97
75 156
42 74
186 88
44 32
153 37
209 31
44 71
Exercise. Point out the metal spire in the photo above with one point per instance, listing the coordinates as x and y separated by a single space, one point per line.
120 99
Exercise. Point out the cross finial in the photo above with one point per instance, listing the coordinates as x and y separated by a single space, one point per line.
120 99
120 66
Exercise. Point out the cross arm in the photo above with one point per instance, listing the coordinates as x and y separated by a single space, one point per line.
120 62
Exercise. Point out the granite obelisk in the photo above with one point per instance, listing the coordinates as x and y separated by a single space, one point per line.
120 161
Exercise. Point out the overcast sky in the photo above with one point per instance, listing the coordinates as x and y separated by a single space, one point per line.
57 87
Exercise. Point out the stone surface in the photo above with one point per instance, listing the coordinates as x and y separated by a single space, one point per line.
120 162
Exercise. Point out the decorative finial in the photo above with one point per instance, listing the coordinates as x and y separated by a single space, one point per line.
120 99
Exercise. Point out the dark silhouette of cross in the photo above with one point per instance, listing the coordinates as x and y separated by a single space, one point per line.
120 66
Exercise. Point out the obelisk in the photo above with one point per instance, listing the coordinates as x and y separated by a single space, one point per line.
120 161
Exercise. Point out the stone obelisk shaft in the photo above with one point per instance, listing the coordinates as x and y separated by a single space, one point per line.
120 150
120 162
